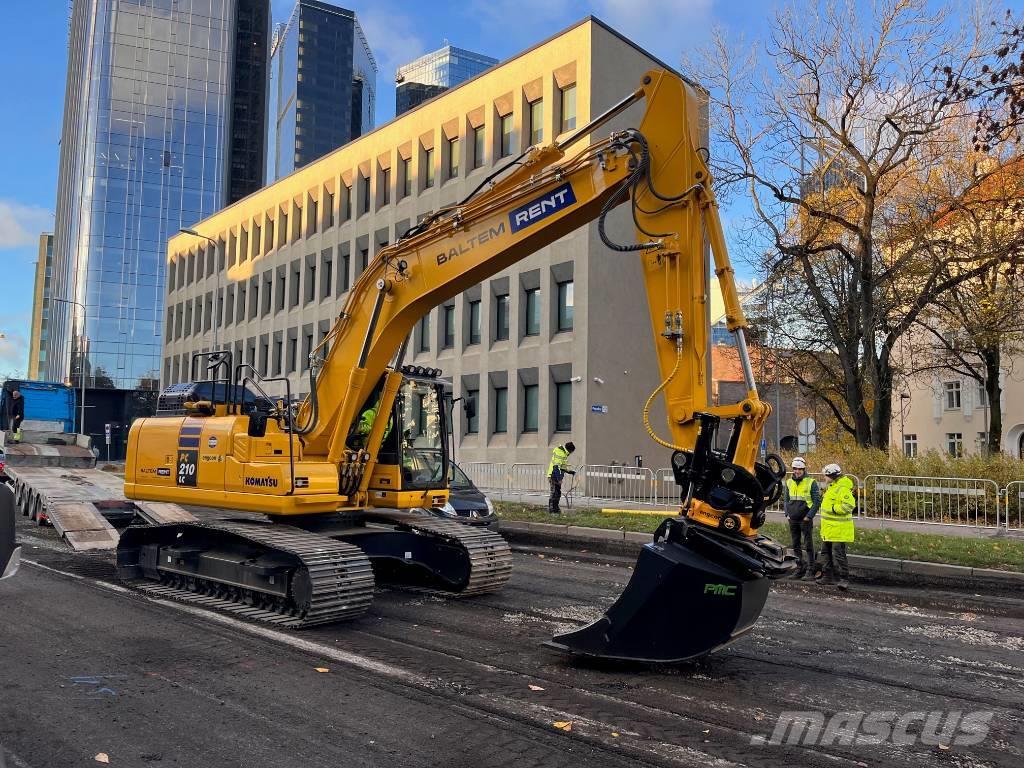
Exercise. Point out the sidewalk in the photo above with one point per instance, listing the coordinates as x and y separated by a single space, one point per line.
539 498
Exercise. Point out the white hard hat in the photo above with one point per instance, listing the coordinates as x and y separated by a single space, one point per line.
832 470
799 463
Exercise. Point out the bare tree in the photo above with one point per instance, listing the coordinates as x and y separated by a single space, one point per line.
836 134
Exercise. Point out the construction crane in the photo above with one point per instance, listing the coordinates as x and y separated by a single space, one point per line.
340 476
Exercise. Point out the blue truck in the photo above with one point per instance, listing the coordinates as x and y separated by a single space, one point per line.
45 401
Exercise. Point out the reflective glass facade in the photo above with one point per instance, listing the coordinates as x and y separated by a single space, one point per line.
143 153
436 72
41 307
323 86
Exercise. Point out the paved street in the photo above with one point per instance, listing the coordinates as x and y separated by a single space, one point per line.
423 681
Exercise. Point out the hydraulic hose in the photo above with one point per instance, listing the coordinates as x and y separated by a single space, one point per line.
654 394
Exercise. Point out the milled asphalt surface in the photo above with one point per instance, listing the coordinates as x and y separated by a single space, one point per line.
90 668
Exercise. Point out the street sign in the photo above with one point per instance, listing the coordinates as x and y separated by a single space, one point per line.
599 409
806 426
106 432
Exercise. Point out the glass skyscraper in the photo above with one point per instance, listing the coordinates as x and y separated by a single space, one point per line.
145 150
323 85
435 73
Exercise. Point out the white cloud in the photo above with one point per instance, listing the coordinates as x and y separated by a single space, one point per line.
13 350
20 225
663 27
392 36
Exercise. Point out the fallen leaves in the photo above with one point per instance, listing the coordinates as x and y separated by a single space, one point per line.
322 669
535 688
563 725
102 757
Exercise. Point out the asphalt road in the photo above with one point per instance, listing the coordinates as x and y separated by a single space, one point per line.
89 668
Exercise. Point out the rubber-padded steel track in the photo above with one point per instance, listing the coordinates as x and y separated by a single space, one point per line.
489 555
339 574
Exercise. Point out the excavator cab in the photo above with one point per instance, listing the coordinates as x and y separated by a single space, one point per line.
413 460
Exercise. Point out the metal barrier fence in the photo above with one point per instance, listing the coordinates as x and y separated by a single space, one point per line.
487 475
616 482
932 500
1013 504
959 501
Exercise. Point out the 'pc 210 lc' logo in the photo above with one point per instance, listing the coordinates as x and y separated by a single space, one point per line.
902 729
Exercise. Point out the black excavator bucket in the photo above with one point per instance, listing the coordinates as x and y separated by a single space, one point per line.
692 592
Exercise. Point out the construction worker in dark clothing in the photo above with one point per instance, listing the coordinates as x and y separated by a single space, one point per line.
802 498
557 469
17 415
837 527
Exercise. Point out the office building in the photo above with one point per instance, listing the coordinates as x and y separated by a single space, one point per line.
538 346
435 73
40 306
155 132
323 86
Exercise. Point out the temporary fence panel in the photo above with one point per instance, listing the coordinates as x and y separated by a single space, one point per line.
931 500
487 475
1013 505
616 482
528 480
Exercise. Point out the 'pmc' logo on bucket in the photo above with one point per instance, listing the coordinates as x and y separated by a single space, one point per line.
724 590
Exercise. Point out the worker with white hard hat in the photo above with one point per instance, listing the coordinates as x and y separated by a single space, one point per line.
801 501
837 528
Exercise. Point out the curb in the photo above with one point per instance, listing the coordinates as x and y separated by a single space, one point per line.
870 568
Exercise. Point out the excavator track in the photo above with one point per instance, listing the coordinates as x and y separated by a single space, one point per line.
335 578
488 563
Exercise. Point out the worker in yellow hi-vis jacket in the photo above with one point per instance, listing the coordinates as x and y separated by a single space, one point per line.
558 468
837 528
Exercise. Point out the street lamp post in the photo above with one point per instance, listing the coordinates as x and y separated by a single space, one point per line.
216 293
81 362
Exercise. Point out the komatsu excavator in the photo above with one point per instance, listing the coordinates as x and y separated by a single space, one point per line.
340 477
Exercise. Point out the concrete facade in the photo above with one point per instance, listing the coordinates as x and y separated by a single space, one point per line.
286 256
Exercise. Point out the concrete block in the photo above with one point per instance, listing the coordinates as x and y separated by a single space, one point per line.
603 534
937 569
550 529
886 564
990 573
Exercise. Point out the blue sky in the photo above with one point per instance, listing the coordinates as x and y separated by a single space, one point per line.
33 59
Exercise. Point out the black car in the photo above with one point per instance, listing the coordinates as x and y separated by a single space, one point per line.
466 503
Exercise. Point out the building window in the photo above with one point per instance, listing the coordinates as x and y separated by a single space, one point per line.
565 305
364 182
532 312
479 147
530 412
307 350
563 407
406 177
423 334
453 157
952 395
982 396
568 95
506 135
501 317
280 292
500 410
474 322
955 444
328 210
293 346
536 122
278 345
385 183
448 325
910 445
428 168
473 422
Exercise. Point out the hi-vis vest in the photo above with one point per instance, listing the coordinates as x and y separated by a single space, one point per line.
799 492
560 459
836 511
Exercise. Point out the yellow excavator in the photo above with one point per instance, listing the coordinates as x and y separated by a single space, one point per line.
340 477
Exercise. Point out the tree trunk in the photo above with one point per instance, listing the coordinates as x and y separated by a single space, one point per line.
994 393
